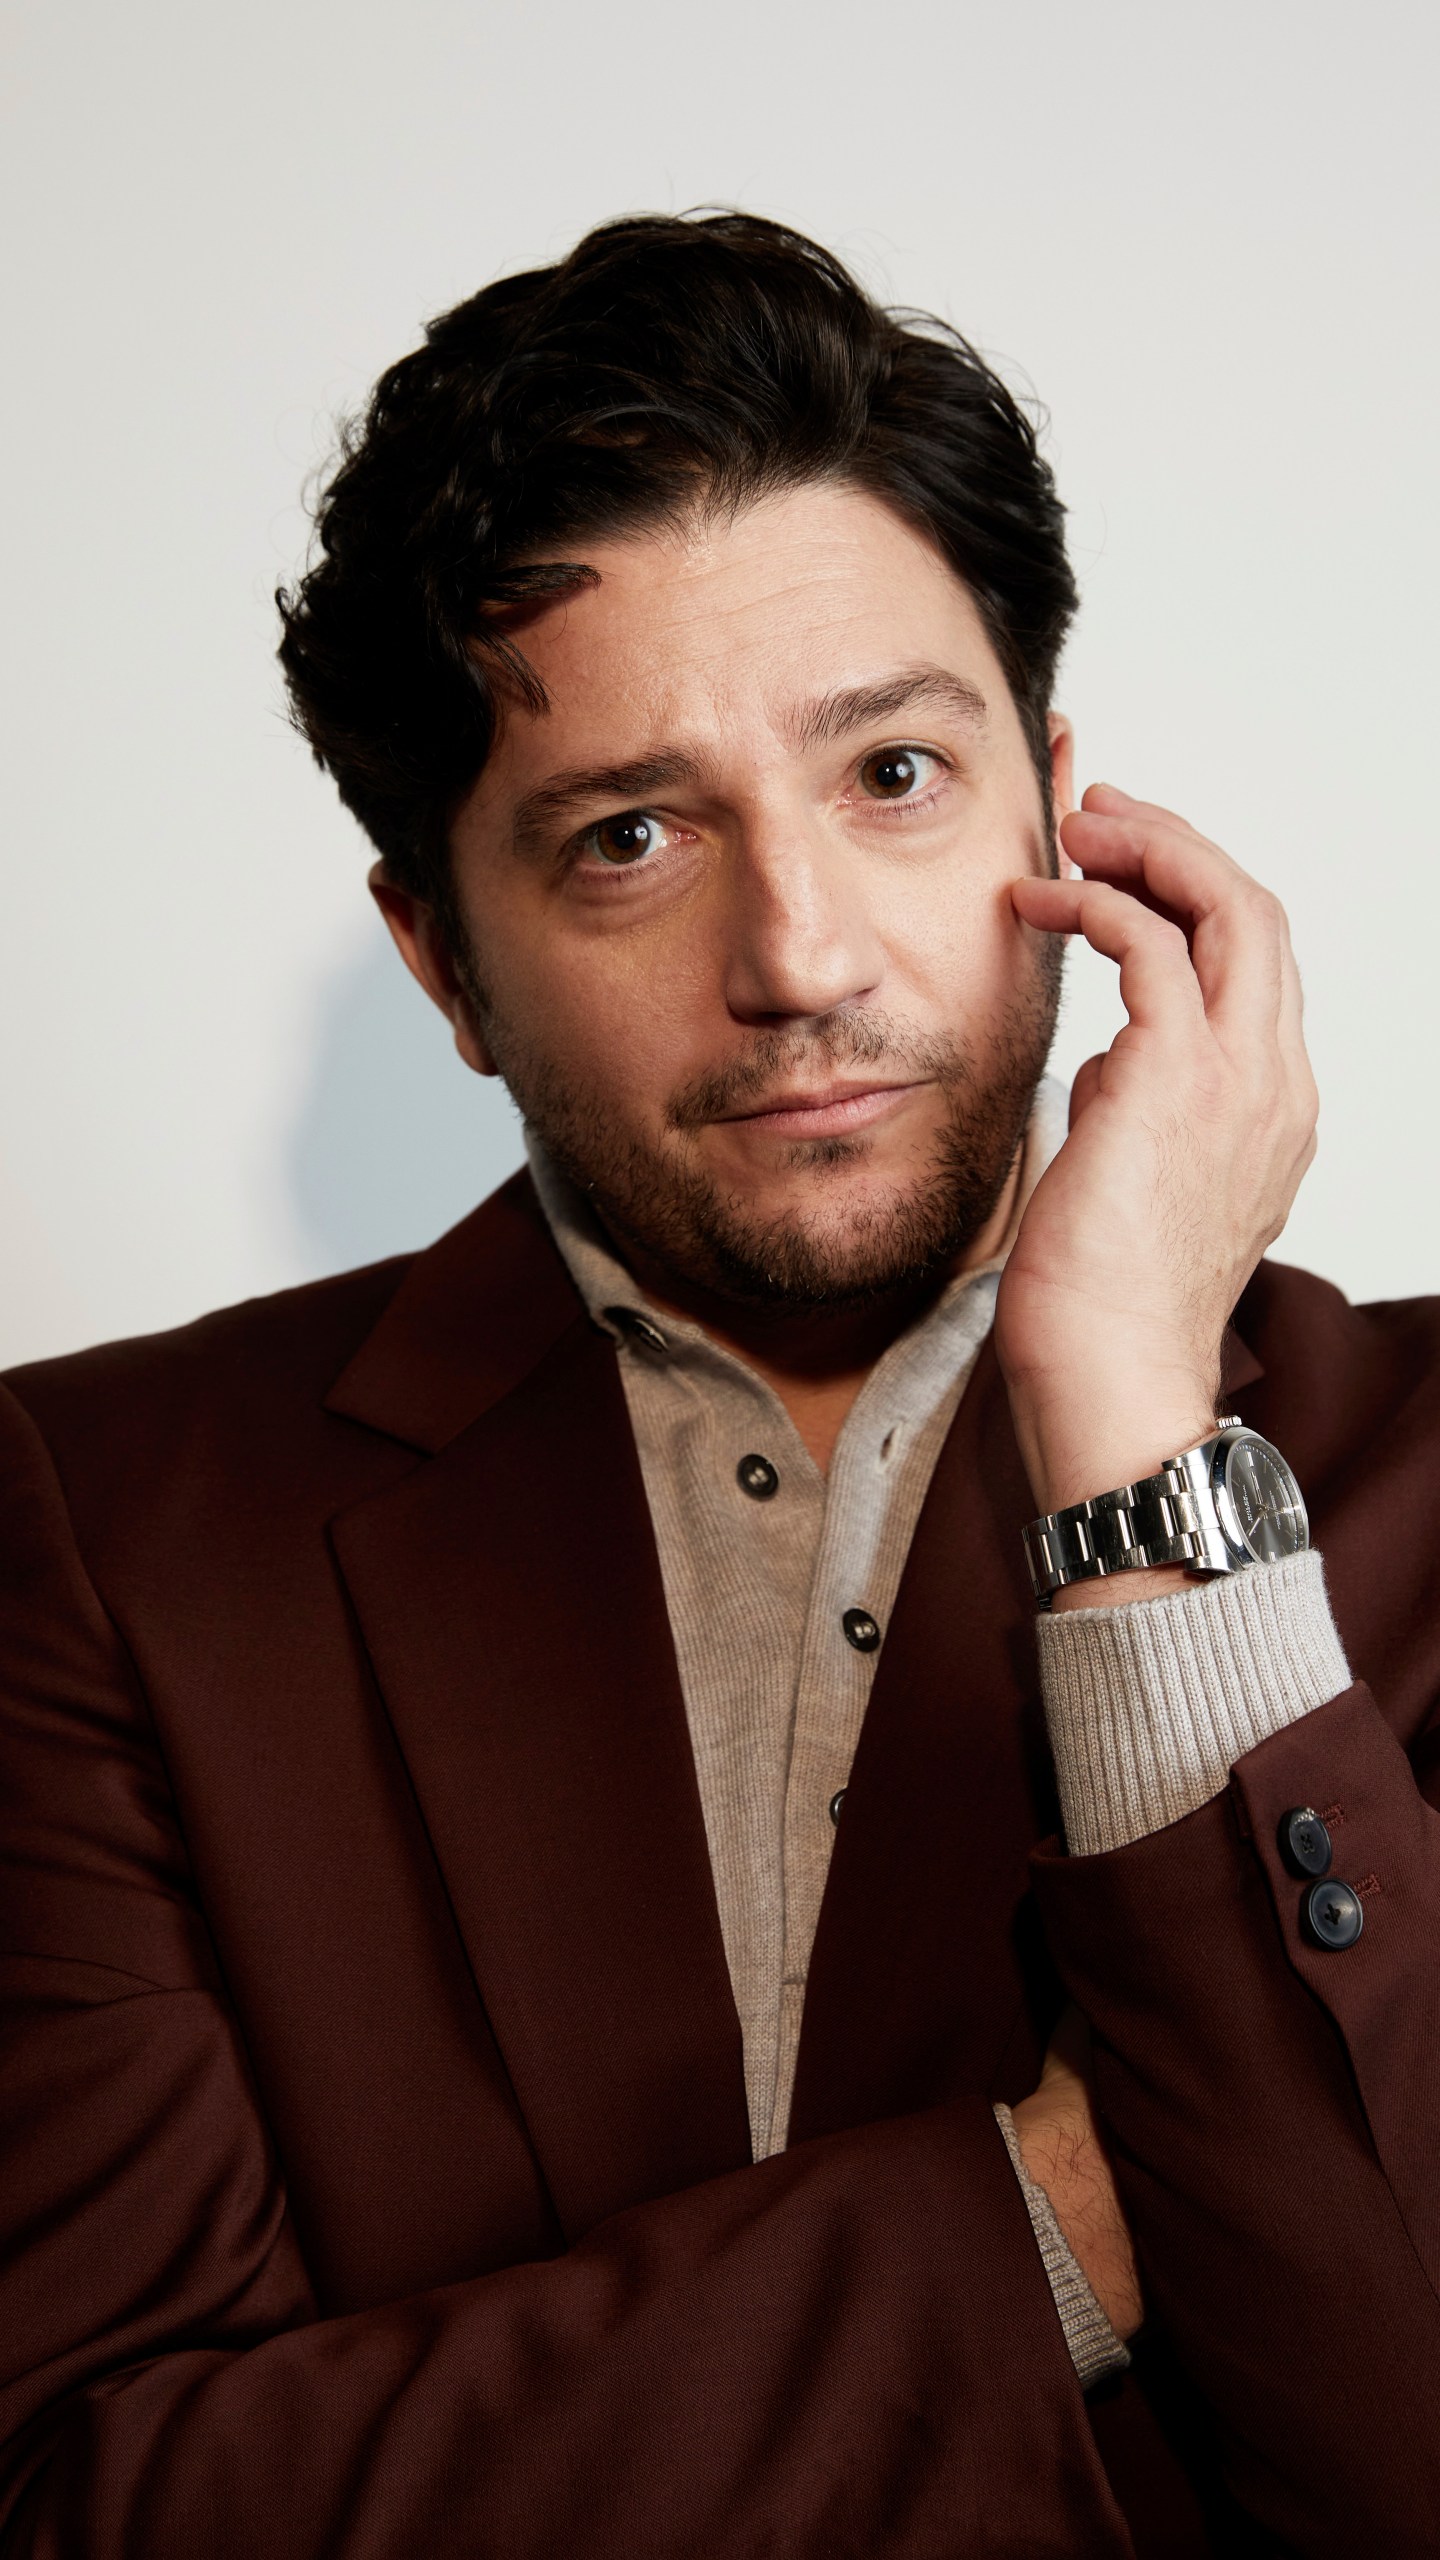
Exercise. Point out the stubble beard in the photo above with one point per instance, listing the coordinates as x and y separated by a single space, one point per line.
708 1234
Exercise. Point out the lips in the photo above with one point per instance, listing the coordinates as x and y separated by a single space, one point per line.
828 1113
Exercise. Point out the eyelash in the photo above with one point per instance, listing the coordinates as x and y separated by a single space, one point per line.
915 805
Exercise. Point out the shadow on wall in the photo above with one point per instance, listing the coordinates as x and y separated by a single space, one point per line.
396 1139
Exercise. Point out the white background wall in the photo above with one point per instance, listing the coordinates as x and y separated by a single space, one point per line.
1207 236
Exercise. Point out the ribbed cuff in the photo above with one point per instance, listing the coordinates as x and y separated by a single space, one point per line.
1151 1704
1094 2347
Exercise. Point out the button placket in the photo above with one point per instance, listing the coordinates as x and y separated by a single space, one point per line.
883 1458
833 1680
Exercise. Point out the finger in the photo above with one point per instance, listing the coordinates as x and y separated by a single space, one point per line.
1243 960
1085 1085
1158 986
1108 801
1237 931
1119 837
1299 1072
1113 852
1292 1000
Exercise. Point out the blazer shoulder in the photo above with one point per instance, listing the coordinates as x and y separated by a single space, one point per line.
242 1403
291 1341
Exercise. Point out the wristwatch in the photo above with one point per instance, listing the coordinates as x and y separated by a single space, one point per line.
1230 1502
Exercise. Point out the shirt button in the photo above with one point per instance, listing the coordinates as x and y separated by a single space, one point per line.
757 1477
631 1321
1304 1842
836 1801
860 1630
1333 1913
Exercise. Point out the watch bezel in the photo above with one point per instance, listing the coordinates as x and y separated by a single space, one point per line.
1232 1529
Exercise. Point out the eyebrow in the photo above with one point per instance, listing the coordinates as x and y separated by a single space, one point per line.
859 706
581 786
818 723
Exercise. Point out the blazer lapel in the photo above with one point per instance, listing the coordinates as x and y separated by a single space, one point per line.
510 1598
929 1975
914 1987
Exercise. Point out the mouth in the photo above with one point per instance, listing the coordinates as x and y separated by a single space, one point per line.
828 1112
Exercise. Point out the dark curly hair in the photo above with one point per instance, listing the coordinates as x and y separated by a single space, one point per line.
667 359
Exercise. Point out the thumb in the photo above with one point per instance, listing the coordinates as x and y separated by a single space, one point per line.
1085 1086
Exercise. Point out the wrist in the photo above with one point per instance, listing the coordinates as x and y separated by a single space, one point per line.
1121 1590
1083 1439
1061 2155
1084 1443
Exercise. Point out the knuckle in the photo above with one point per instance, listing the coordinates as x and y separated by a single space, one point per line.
1165 936
1261 907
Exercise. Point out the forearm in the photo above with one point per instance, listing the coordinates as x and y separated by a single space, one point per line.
1150 1702
852 2342
1088 2261
1248 2173
1273 2180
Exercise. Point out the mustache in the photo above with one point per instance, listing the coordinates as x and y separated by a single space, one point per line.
833 1041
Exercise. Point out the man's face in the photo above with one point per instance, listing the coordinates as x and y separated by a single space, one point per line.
740 935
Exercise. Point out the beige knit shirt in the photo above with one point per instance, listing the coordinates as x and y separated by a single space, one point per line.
779 1584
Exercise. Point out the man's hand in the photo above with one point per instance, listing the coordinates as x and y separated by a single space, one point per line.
1187 1143
1055 2128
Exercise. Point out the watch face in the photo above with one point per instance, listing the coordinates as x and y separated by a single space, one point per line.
1264 1500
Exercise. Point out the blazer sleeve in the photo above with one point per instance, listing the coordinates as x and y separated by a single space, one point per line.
849 2348
1273 2109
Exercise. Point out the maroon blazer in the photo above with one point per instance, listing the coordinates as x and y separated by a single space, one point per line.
374 2169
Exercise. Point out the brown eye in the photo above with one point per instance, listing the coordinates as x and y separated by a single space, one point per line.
890 776
624 839
893 773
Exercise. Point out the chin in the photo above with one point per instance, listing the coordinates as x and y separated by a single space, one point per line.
837 1185
831 1250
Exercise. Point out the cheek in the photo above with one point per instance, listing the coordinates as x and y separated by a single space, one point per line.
952 932
606 1018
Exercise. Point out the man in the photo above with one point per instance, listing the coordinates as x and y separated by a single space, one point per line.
562 2000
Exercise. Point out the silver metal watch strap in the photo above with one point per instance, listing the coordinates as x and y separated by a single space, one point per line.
1169 1518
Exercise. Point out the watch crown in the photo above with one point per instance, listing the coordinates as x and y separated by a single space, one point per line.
1229 1422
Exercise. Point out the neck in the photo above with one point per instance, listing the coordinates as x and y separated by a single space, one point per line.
818 1359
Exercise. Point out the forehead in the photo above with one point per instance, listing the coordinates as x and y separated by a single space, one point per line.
731 623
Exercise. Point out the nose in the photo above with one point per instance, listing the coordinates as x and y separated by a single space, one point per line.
800 938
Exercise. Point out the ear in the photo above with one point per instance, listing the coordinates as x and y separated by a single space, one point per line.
1062 785
423 948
